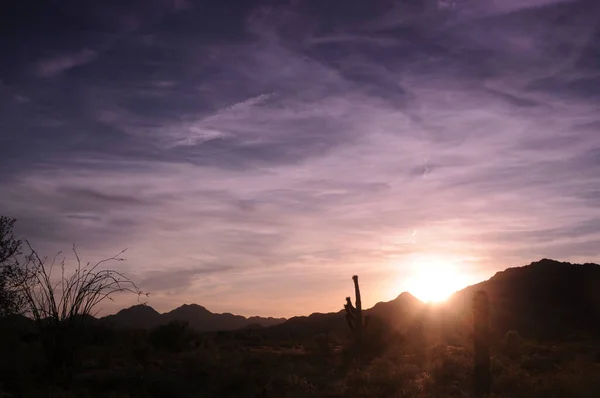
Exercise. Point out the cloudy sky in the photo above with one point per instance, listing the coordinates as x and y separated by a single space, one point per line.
253 155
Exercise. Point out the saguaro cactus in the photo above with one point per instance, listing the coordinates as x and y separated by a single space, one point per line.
354 315
481 342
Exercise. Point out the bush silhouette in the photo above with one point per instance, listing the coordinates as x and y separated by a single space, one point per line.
12 272
63 305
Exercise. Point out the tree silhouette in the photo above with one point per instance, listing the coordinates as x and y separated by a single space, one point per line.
11 271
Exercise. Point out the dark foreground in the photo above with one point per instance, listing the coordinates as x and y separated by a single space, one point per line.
174 361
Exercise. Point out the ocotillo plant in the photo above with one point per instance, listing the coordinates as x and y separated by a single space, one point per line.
354 315
481 342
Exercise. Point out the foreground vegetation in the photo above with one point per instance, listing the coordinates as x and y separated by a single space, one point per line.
58 349
174 361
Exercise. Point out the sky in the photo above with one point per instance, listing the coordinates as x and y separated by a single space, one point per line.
253 155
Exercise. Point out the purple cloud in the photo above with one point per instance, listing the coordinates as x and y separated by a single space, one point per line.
287 148
62 63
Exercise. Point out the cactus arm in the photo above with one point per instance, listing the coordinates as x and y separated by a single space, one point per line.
354 316
349 307
357 293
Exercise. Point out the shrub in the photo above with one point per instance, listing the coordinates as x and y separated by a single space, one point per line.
63 306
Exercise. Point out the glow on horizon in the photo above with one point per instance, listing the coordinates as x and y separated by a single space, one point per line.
434 278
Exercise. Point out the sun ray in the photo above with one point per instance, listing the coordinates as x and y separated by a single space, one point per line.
434 279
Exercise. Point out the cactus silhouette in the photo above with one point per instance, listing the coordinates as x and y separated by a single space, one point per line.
354 315
481 344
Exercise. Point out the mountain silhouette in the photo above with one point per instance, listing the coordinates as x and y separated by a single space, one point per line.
546 298
136 317
399 313
198 317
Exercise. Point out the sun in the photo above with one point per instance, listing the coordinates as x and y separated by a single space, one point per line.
434 279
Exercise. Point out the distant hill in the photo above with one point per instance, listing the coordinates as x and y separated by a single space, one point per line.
400 313
202 319
546 298
198 317
396 312
136 317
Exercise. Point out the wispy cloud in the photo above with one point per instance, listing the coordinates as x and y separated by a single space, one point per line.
62 63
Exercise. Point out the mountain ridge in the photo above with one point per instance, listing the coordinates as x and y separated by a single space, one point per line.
544 297
142 316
